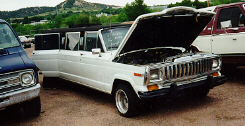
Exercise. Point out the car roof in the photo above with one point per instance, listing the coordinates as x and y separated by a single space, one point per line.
80 29
232 4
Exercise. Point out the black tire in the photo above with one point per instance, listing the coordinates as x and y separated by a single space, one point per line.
32 108
50 82
126 101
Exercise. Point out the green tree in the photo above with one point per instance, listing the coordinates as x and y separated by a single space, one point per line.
76 19
186 3
69 3
57 21
94 20
82 19
122 17
135 9
26 20
218 2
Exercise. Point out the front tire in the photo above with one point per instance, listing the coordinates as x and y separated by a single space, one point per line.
32 108
126 100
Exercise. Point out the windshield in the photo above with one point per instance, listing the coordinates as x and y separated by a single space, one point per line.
113 37
7 38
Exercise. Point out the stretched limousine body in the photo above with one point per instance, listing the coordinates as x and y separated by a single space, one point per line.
148 59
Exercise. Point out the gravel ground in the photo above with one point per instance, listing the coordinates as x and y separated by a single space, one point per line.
72 104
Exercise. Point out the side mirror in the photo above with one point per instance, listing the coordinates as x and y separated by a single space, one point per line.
96 51
226 24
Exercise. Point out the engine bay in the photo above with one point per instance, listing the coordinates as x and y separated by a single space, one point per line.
153 55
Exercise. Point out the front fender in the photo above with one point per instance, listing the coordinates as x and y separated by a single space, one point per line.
137 83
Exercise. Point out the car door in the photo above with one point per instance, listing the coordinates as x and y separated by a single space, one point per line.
69 61
47 44
229 39
91 63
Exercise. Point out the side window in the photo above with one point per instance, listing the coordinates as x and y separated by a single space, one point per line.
91 39
234 15
47 41
73 41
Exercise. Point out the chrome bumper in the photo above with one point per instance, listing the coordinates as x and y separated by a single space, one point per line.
19 96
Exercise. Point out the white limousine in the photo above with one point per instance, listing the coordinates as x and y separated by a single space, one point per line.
147 60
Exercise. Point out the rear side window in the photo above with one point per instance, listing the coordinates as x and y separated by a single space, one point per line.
47 41
73 41
232 14
7 38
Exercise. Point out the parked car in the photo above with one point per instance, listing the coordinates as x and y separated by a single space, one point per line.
224 34
147 60
31 39
25 42
19 84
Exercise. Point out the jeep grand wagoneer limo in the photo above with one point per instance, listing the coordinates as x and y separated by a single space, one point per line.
143 61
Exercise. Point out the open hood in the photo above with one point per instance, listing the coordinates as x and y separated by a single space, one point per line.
173 27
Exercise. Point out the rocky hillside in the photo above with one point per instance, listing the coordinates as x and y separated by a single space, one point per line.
66 6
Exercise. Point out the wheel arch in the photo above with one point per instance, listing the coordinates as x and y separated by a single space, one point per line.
194 48
118 82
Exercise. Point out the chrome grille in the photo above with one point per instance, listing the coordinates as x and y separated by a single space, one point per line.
5 87
177 71
187 69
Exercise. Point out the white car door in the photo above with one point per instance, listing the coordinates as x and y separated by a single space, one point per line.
229 39
69 61
47 44
92 65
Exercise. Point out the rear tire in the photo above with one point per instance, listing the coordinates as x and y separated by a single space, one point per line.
32 108
126 101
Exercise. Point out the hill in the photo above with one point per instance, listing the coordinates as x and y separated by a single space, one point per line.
64 7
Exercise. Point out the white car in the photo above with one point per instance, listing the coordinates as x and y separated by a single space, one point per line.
142 61
224 35
25 42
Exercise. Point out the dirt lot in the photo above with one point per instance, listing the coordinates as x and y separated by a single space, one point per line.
72 104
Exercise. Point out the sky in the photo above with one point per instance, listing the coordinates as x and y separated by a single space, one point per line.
10 5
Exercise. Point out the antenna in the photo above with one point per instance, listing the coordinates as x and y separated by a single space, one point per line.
110 28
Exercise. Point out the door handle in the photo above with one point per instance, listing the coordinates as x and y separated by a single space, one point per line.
81 54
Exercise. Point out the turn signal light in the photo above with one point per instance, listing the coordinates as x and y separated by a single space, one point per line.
152 87
137 74
215 74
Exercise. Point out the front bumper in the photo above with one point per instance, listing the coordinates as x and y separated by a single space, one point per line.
175 91
19 96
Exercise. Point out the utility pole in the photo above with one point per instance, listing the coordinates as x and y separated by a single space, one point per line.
208 3
56 11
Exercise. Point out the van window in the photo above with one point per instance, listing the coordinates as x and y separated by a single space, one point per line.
72 41
7 38
233 14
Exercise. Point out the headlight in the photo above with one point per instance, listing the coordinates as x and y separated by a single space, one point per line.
215 63
155 74
26 78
